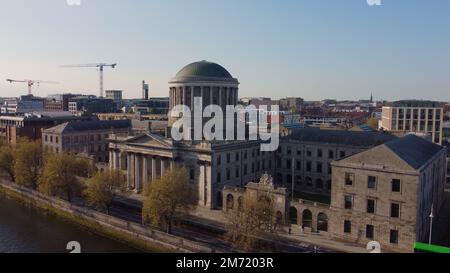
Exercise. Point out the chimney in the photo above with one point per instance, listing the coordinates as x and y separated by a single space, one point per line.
145 90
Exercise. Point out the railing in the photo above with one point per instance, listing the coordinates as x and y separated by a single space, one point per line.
138 230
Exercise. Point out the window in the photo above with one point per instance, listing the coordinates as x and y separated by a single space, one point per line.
237 156
46 138
228 174
192 174
299 152
349 177
393 238
347 226
228 158
245 169
371 203
330 154
369 232
319 168
288 164
308 166
219 177
371 182
319 153
348 202
299 165
395 185
309 153
395 210
237 172
342 154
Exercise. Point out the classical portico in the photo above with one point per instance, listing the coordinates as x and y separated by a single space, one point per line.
141 164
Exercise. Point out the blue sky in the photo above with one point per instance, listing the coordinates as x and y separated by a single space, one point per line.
343 49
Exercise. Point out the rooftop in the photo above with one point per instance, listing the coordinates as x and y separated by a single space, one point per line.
91 125
203 71
356 138
414 150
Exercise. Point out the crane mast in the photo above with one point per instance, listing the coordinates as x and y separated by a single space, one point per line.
100 66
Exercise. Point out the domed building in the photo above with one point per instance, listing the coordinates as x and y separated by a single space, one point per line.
210 81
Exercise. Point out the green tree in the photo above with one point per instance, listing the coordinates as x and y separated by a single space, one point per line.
28 163
103 187
59 177
167 198
7 161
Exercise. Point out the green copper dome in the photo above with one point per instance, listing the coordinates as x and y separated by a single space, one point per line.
203 71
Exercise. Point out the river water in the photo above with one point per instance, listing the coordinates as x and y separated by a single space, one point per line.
28 230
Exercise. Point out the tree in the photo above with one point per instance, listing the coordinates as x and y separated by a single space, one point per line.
59 177
28 163
167 198
103 187
7 161
372 123
254 216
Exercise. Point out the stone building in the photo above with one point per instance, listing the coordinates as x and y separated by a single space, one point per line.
386 194
303 160
89 138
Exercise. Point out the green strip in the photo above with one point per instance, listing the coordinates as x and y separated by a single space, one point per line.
431 248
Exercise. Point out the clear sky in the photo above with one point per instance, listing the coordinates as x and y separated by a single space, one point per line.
316 49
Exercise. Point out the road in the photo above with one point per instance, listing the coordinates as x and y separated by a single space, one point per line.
130 210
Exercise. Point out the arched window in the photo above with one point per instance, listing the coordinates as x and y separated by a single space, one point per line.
293 215
307 218
230 202
322 222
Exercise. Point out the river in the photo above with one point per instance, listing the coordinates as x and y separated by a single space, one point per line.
28 230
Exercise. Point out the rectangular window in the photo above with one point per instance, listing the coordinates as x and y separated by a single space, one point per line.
308 166
228 158
349 178
348 202
219 177
237 156
192 174
371 204
371 182
319 168
330 154
319 153
309 153
288 164
395 210
369 232
395 185
347 226
342 154
228 174
393 238
299 165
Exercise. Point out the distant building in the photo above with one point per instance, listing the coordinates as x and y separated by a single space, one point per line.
151 106
386 194
21 105
91 105
30 125
84 137
291 104
59 102
116 96
424 118
145 90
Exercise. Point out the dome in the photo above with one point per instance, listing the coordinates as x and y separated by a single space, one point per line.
203 71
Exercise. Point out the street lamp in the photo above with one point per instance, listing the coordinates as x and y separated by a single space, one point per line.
431 224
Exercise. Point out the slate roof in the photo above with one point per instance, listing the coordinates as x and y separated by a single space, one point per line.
414 150
356 138
91 125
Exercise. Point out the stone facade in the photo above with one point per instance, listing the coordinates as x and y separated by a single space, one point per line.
378 195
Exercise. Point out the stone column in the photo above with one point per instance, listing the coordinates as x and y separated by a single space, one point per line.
120 165
154 175
111 163
129 170
184 96
117 160
137 175
209 187
201 186
211 95
163 167
144 171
